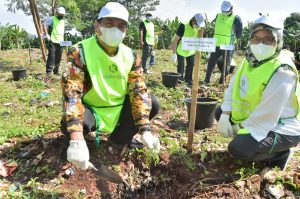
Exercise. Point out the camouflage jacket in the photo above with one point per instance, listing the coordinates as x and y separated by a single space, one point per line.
76 82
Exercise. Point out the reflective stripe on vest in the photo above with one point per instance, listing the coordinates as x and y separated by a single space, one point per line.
149 32
189 31
58 31
250 83
109 77
223 29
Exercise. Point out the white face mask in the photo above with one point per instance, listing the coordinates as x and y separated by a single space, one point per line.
112 36
227 13
262 51
195 26
148 18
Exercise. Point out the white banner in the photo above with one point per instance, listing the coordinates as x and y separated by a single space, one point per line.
200 44
226 47
65 43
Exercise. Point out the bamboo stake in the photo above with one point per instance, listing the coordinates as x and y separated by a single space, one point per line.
194 96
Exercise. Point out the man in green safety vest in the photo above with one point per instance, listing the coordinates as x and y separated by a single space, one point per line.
261 105
147 38
105 91
189 29
228 29
54 28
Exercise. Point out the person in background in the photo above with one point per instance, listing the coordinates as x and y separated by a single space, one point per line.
152 56
228 29
261 105
54 28
105 90
147 39
190 29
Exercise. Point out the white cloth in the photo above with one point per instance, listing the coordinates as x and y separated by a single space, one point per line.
78 154
150 141
224 127
278 101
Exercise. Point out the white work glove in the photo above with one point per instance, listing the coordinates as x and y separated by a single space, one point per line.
224 127
48 37
174 58
150 140
78 154
153 52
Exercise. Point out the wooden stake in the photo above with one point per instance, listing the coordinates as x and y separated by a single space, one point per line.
224 68
194 96
37 24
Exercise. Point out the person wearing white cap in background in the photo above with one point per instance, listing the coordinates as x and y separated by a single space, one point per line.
228 29
190 29
261 105
105 90
54 28
147 39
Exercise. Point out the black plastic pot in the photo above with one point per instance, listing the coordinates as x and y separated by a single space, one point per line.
19 74
170 79
205 112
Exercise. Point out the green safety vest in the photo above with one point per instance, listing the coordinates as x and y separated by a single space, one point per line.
58 31
252 82
189 31
109 77
149 32
223 29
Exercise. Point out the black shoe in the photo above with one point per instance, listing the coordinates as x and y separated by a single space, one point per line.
136 144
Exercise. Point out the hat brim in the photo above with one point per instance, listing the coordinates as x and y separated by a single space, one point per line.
116 18
226 9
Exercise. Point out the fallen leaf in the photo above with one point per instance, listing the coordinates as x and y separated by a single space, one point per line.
276 190
8 167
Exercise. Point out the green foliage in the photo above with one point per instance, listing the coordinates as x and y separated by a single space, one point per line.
292 31
247 172
12 36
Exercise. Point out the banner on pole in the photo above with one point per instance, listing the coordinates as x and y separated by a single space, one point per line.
200 44
226 47
65 43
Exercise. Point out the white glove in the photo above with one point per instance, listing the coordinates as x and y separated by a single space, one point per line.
224 127
150 141
48 37
153 52
78 154
174 58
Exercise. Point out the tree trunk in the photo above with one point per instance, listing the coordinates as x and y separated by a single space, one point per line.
38 26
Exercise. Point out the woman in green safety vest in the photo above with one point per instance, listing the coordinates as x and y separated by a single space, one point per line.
261 105
105 91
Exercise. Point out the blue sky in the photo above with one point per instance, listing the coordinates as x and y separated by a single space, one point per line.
247 9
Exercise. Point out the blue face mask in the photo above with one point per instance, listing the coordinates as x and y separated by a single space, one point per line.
148 18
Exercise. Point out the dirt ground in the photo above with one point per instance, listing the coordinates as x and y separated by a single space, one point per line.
170 178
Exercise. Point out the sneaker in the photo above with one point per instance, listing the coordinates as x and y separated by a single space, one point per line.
136 144
147 71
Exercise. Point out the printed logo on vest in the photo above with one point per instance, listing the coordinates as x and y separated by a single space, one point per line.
244 84
113 68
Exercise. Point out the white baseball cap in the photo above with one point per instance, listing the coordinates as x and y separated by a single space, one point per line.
226 6
115 10
61 10
200 19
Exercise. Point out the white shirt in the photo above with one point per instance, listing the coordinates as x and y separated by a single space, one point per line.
48 22
278 101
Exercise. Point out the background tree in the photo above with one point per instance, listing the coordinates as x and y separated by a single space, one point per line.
292 31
